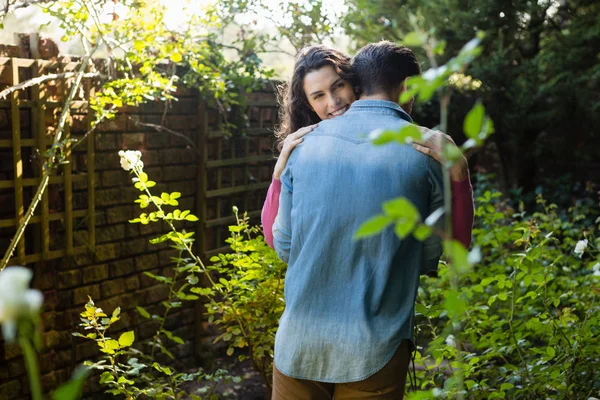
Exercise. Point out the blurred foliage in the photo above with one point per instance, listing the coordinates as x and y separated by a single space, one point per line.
540 68
301 23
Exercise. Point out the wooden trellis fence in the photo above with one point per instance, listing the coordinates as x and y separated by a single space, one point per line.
236 171
27 121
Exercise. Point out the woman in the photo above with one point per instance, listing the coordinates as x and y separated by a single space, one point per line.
323 87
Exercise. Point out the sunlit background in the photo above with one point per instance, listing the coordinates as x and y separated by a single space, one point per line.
32 19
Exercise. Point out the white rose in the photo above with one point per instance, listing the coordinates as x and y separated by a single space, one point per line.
451 341
596 269
16 299
131 159
580 247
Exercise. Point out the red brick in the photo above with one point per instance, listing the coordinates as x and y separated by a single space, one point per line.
107 141
132 283
118 214
122 267
117 124
112 288
110 233
133 141
107 251
95 273
108 197
146 262
80 294
69 279
134 246
10 390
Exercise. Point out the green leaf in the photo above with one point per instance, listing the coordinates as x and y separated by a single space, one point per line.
165 197
506 386
382 136
421 309
401 207
159 239
551 352
407 134
373 226
106 377
474 121
176 57
123 380
126 339
112 344
454 305
458 254
191 218
71 390
414 39
422 232
143 312
404 228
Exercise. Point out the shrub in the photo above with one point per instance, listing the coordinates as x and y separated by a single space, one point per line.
248 311
530 326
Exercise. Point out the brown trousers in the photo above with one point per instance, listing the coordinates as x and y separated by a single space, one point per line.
387 384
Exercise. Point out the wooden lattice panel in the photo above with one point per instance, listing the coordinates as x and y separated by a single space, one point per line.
236 171
27 127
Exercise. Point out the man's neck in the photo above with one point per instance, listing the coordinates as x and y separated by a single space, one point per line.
377 96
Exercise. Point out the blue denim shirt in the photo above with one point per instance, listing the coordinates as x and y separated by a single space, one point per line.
349 304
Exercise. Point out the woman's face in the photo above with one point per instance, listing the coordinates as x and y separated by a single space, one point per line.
328 94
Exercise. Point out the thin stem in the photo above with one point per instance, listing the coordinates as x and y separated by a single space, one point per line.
510 325
167 308
100 331
33 371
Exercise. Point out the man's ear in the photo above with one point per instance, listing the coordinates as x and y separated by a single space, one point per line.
403 85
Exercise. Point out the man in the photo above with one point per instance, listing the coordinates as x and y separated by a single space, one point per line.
348 323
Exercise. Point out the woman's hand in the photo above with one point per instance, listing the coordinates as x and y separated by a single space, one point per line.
289 144
431 144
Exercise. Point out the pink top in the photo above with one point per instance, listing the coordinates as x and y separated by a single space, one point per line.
462 210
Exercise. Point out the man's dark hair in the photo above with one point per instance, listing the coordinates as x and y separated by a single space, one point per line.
384 65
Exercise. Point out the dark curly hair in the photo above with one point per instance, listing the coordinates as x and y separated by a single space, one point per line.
295 112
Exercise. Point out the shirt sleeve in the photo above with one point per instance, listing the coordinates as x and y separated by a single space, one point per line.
282 228
270 209
463 211
432 246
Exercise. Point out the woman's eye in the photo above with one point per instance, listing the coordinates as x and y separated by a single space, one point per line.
317 96
339 85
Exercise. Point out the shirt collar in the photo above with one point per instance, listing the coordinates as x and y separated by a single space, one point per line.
361 105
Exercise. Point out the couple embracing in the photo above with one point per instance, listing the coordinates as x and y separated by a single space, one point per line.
347 328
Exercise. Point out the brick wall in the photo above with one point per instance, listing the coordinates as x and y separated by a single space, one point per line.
113 274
